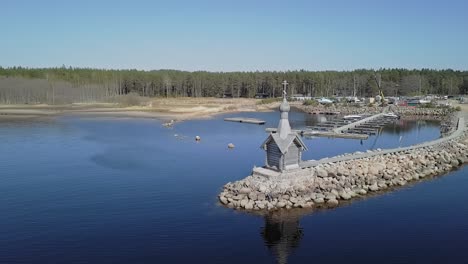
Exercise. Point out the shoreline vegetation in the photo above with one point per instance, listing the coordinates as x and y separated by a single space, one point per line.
66 85
182 95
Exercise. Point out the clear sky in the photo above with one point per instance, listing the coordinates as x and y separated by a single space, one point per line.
236 35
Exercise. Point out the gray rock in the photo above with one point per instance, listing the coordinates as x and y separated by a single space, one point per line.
319 200
245 190
334 192
319 195
330 196
362 192
332 202
388 176
345 196
270 206
261 197
321 172
253 196
223 199
374 187
244 202
297 205
261 205
238 197
280 204
373 171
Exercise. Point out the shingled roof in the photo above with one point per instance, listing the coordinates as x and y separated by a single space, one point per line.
283 144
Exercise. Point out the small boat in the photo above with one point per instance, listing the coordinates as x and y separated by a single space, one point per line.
391 115
352 117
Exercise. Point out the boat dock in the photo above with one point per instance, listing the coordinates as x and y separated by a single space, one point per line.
360 127
371 125
245 120
316 133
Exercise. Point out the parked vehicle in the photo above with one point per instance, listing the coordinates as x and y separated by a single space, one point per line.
324 100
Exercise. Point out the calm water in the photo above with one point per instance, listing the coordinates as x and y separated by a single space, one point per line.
131 191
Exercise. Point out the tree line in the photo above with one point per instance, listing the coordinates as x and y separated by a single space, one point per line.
67 84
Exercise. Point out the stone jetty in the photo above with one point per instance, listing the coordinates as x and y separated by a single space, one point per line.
400 110
329 184
287 182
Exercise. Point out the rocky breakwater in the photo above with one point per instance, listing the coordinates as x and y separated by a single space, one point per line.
329 184
416 111
342 109
435 112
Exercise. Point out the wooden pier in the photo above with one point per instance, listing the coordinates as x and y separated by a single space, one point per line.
245 120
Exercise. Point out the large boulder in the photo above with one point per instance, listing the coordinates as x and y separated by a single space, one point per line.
345 196
373 171
280 204
223 199
332 202
374 187
245 190
321 172
319 200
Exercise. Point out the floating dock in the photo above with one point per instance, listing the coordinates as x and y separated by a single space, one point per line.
359 128
245 120
317 133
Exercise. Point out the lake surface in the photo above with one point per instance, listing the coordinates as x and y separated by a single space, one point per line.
83 190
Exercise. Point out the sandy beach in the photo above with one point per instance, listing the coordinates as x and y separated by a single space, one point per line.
178 109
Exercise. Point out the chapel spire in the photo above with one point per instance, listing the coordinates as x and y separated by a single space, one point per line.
283 127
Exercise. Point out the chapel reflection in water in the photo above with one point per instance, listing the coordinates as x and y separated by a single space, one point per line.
282 234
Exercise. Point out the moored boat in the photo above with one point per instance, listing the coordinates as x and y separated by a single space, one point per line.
352 117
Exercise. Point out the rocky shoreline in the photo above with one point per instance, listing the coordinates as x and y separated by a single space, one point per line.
329 184
400 110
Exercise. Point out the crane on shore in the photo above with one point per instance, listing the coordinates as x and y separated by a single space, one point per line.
378 81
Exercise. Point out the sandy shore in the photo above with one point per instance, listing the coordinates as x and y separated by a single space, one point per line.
167 109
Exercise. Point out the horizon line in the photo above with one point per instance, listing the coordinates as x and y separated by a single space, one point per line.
63 66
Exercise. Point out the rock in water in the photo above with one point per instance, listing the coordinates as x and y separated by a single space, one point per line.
281 204
223 199
319 200
231 146
374 187
345 196
332 202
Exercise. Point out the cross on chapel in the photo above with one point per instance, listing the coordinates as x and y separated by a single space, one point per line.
285 85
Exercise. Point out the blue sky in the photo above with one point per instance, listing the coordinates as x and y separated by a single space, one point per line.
235 35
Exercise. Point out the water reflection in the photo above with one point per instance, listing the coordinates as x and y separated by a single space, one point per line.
406 125
282 234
